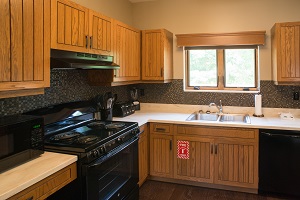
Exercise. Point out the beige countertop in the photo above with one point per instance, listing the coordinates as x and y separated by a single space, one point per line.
178 113
21 177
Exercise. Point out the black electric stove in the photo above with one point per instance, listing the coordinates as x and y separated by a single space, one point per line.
109 146
93 137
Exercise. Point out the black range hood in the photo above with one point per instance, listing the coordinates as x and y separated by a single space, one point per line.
76 60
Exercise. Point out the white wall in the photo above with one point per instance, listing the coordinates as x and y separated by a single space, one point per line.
117 9
216 16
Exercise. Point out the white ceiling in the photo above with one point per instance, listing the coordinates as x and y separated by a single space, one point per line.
137 1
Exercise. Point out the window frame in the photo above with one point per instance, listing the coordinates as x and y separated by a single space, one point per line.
221 71
216 40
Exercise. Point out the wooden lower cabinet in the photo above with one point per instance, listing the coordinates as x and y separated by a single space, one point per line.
236 163
222 157
49 185
143 154
231 154
199 166
161 155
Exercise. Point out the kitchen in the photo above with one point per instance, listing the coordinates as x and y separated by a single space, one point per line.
213 17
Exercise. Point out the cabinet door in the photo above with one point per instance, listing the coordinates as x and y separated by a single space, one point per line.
69 26
126 52
236 163
143 155
161 155
153 55
289 50
24 47
199 165
100 33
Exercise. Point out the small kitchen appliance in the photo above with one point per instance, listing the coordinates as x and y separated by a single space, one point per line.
107 166
21 139
134 98
123 109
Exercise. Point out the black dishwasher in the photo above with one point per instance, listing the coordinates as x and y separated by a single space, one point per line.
279 162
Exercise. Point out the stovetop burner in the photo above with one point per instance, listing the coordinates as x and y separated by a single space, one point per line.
115 125
104 125
65 136
87 139
96 124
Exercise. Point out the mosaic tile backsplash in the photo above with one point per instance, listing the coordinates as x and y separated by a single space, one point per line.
71 85
172 93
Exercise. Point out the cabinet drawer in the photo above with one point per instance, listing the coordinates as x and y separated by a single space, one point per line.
161 128
217 132
49 185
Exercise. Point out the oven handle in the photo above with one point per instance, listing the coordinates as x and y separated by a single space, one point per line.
114 152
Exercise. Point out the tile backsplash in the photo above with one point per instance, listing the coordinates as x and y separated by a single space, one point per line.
65 86
71 85
172 93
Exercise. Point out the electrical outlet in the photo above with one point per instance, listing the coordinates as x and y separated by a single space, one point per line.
142 91
296 95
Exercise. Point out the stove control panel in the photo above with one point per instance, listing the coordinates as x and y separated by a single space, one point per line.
108 146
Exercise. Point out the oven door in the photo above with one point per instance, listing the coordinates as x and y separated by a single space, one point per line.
114 176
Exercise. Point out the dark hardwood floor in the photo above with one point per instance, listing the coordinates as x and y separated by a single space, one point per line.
155 190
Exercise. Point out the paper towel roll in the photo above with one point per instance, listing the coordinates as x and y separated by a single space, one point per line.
258 109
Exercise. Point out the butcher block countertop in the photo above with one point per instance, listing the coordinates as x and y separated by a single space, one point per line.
21 177
178 113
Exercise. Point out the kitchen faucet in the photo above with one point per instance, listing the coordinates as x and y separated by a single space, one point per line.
220 107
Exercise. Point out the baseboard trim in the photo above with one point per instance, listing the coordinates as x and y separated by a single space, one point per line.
207 185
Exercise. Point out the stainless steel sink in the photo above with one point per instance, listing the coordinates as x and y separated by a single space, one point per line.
203 117
244 118
238 118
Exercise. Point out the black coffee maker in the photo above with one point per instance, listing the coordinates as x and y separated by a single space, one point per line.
104 105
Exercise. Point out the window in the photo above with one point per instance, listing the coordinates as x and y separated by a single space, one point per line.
221 61
222 68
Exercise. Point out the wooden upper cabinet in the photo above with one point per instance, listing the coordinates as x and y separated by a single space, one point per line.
100 33
77 28
126 52
157 55
69 26
24 47
286 53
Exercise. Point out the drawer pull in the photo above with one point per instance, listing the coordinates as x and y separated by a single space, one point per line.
160 129
170 145
30 198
